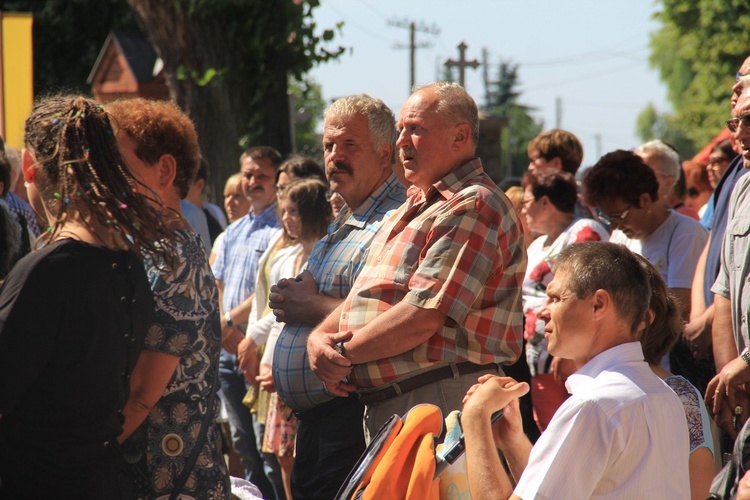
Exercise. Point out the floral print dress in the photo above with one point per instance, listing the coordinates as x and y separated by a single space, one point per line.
186 325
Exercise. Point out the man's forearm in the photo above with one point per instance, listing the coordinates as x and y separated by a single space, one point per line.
725 348
397 330
320 307
241 312
486 475
517 455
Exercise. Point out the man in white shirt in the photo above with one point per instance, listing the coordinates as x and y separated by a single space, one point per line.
622 433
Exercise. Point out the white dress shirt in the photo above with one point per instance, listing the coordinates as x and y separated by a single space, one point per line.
622 434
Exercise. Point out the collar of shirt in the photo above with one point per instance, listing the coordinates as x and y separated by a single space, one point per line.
621 354
266 216
362 215
450 184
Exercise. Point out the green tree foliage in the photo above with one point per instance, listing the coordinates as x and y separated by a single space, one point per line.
308 107
697 51
650 125
227 62
503 102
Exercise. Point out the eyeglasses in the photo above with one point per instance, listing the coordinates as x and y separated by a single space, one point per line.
612 219
734 123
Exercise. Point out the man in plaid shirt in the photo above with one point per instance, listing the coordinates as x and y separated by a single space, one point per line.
438 302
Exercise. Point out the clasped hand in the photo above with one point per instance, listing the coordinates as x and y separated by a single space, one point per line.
328 364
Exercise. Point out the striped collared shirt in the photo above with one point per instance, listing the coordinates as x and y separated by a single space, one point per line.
335 262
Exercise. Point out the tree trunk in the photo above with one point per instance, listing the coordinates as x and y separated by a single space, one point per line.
247 100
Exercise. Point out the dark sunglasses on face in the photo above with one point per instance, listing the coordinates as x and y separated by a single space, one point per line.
734 123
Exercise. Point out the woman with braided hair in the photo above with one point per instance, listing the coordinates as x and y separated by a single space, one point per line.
74 313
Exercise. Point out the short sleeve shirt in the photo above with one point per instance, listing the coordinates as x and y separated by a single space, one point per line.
722 198
186 325
673 248
731 282
335 261
621 434
457 248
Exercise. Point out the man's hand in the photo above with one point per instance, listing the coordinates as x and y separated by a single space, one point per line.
231 336
266 378
493 393
726 398
290 299
327 363
247 359
697 334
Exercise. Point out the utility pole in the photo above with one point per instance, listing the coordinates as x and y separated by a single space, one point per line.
486 77
462 64
413 45
558 112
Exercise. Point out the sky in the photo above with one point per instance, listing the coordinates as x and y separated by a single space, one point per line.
591 56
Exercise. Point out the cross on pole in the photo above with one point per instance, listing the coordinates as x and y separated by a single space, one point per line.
462 64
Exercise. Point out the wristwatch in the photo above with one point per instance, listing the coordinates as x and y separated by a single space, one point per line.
745 356
228 318
340 348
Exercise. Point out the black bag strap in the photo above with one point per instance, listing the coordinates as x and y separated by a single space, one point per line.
190 462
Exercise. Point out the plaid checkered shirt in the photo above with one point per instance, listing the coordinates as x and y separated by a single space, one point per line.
335 261
457 248
236 265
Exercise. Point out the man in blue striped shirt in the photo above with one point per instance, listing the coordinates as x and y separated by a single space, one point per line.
235 269
358 139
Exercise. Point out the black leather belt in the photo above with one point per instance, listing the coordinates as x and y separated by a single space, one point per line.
395 389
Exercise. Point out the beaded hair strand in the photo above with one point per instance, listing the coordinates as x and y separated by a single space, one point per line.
83 170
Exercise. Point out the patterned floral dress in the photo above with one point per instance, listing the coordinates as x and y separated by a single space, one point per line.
187 325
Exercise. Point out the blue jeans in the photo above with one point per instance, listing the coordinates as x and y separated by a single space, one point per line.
260 469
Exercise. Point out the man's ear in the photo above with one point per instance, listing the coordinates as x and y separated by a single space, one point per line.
386 154
601 302
461 135
167 166
27 166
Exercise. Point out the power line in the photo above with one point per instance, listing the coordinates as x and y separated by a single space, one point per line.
552 83
359 26
587 57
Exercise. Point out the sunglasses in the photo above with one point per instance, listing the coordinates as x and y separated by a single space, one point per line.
734 123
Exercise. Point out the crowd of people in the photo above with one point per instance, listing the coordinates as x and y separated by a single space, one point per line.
321 300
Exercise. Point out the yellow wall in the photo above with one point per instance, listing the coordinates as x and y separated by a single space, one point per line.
18 74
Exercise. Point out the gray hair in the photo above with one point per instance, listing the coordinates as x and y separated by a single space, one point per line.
380 118
668 157
456 104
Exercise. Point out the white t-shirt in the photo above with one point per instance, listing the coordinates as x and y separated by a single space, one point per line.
621 434
673 249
